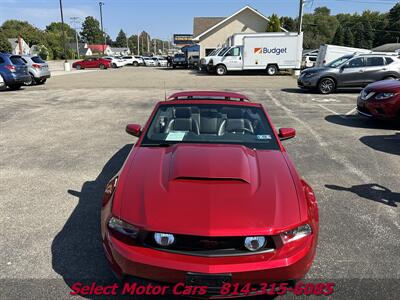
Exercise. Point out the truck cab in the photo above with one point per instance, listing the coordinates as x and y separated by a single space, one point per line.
229 59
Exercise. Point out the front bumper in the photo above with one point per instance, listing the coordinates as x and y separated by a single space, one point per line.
290 262
307 82
380 109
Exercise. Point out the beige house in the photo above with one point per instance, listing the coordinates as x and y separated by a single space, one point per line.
211 33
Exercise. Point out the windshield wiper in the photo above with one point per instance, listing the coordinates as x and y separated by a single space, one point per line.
157 145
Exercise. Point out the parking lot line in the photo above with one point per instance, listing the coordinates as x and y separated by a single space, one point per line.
331 110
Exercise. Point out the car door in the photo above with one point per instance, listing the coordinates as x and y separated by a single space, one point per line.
352 73
375 69
233 59
88 63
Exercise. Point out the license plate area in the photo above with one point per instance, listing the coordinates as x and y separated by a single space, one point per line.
209 280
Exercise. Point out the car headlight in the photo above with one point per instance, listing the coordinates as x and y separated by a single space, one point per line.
110 188
122 227
296 234
164 239
383 96
254 243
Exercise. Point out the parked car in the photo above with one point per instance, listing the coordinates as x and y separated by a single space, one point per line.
38 69
179 60
161 61
380 100
115 62
92 62
350 71
149 62
13 70
2 83
209 195
132 60
140 60
194 61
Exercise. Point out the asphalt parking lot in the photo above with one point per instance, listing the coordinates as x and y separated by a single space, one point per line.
61 143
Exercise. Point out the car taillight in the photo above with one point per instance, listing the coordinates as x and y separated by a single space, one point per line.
110 188
11 68
36 66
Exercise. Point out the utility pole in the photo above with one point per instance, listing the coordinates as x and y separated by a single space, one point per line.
75 21
63 32
300 16
101 23
155 46
138 43
148 45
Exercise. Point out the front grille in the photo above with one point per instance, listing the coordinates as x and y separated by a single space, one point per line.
363 109
209 246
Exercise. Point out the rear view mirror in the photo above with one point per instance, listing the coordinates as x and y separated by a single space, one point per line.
286 133
134 129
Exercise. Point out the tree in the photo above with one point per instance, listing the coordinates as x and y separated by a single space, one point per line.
359 35
121 39
132 44
393 25
288 23
5 46
31 34
274 24
348 37
91 31
338 39
368 39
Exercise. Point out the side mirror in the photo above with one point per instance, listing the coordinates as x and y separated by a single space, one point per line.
286 133
134 129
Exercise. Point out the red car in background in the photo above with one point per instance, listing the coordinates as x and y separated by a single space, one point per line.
92 62
380 100
208 195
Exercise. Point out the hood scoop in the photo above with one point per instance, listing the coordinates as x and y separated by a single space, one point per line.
213 163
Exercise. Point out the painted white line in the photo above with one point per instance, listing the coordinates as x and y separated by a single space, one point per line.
332 111
334 155
325 100
351 111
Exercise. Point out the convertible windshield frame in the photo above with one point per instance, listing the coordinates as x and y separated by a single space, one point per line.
262 137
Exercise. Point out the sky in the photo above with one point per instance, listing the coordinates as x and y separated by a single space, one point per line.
163 18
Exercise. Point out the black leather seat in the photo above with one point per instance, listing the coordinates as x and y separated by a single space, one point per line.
183 121
209 121
235 122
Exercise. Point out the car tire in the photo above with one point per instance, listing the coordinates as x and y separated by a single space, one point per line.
15 87
114 65
220 70
326 85
272 70
135 64
34 81
43 81
78 67
102 67
173 67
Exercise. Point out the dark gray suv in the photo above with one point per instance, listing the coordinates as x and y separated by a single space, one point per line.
350 71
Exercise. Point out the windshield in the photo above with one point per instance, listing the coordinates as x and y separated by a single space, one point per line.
337 62
213 52
211 124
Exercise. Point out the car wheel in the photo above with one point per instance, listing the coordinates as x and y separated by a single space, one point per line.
102 67
114 65
135 64
173 67
272 70
43 81
78 67
15 87
220 70
326 85
31 81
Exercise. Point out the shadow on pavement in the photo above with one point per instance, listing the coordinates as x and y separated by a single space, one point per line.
384 143
361 122
314 91
372 191
77 252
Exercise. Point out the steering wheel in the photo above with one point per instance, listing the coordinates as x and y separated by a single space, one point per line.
242 130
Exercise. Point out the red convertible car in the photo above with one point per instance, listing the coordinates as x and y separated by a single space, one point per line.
380 100
92 62
209 195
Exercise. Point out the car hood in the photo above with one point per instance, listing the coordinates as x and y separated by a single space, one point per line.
315 70
390 86
207 190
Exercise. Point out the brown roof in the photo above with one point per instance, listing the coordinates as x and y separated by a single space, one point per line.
201 24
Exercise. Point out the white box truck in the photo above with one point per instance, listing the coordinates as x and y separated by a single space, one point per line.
328 53
270 51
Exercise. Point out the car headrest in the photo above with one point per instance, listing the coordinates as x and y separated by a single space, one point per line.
233 113
182 112
209 113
